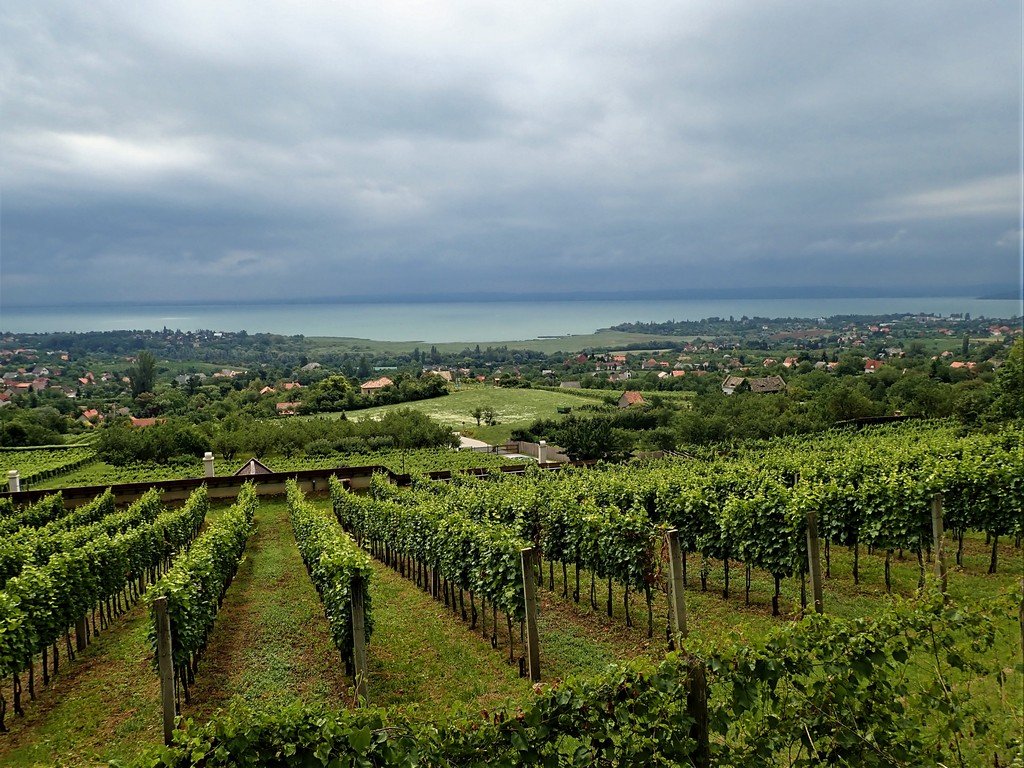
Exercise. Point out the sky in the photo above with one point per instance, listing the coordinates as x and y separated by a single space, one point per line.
248 151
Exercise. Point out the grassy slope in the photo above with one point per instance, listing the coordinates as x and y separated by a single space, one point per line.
514 408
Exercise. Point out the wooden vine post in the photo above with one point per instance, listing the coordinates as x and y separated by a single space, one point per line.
676 593
939 542
359 638
530 598
81 633
814 561
166 664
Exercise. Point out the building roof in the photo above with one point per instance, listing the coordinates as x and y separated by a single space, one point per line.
631 398
380 383
254 467
768 384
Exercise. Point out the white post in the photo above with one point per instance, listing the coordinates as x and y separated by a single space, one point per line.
541 450
13 481
208 464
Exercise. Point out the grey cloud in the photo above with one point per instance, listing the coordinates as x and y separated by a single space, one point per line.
415 148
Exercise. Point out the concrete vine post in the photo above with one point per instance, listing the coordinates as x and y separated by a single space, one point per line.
676 591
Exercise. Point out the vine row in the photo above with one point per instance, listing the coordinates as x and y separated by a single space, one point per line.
196 584
334 563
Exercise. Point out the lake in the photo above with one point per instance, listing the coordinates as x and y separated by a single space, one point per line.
464 321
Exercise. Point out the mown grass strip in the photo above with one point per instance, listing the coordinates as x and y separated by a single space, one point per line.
271 642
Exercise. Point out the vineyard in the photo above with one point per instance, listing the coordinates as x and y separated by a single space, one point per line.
431 601
37 465
91 472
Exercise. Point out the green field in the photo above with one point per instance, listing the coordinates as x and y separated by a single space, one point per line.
513 407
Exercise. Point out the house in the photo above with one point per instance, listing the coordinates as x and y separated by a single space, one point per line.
767 385
287 409
969 366
267 390
148 422
184 378
870 366
734 384
769 362
446 375
372 387
790 362
631 398
253 467
310 367
288 386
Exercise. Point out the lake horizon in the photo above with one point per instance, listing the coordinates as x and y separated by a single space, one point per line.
462 320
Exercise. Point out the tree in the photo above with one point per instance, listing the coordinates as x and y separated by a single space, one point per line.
1009 401
143 374
364 370
477 413
966 345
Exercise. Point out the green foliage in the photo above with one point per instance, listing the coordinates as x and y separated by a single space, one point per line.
46 599
143 373
1009 402
896 689
196 583
627 716
121 444
39 464
481 557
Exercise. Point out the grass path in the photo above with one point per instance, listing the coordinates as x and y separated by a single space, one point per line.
422 653
271 642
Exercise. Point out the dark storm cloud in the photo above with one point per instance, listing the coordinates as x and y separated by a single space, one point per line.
196 150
